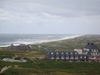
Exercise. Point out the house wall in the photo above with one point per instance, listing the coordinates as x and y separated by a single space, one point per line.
65 56
94 58
89 53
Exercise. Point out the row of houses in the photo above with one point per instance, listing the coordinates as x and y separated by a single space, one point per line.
20 47
89 53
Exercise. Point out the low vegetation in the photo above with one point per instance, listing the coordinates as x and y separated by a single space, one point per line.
71 44
35 66
52 68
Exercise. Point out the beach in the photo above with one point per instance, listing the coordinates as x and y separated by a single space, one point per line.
66 38
28 39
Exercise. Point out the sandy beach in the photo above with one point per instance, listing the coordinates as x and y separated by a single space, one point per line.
70 37
34 39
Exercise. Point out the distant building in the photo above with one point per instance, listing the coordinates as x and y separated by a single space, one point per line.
78 50
20 47
65 56
92 52
88 53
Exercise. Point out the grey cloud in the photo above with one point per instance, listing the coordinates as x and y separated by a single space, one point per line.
66 8
59 15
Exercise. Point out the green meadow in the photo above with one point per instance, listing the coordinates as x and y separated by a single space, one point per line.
51 68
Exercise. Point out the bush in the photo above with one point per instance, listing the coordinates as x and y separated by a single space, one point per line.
17 58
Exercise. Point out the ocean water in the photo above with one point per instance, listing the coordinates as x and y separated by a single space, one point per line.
16 39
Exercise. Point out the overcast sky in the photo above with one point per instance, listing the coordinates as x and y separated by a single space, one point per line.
50 16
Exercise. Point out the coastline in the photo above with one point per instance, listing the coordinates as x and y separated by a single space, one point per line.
47 41
66 38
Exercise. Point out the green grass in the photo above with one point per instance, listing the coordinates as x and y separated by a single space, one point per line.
36 67
23 54
53 68
71 44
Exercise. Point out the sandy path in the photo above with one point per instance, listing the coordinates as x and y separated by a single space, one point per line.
4 68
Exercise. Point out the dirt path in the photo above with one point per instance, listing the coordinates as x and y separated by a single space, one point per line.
4 68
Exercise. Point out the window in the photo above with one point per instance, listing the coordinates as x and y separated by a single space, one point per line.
51 52
57 57
66 52
80 56
52 57
94 50
71 57
75 52
67 57
71 53
86 49
84 56
56 52
62 53
95 53
62 57
86 52
76 57
89 57
94 57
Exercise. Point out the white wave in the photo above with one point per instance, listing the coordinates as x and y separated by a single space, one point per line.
36 41
69 37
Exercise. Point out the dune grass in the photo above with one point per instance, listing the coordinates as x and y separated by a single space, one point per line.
53 68
37 67
71 44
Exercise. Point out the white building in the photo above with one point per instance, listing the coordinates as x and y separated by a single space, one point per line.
78 50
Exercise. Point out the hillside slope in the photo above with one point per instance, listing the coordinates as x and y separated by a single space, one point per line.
70 44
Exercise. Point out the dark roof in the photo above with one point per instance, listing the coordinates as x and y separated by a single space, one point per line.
91 46
20 47
64 55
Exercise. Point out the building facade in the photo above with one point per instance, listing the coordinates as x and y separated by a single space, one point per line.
20 47
92 52
89 53
65 56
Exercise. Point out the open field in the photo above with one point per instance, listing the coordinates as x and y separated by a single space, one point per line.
52 68
37 67
22 54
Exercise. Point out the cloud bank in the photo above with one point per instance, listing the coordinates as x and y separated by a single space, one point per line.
50 16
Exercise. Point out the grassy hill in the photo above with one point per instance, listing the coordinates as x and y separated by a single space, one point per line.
70 44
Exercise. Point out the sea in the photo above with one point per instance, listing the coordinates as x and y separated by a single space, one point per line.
16 39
